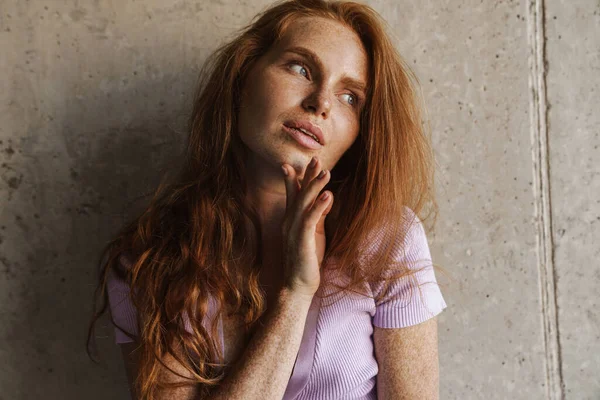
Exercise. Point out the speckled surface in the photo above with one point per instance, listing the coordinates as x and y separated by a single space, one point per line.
573 32
93 97
91 101
472 58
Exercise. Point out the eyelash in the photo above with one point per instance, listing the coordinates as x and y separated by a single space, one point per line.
303 65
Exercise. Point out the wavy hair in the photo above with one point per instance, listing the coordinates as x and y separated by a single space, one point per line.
198 238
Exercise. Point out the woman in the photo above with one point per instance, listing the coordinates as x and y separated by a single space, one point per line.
287 258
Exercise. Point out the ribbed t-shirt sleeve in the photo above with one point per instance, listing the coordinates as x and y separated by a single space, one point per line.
121 307
400 307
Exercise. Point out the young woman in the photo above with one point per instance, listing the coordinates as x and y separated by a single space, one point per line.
287 258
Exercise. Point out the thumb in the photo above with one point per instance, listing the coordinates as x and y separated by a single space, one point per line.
329 207
320 228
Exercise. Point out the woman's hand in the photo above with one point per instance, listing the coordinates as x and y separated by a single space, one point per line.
303 228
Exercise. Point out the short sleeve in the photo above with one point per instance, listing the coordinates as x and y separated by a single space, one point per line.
411 300
121 306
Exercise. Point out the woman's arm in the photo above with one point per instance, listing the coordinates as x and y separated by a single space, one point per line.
264 368
408 362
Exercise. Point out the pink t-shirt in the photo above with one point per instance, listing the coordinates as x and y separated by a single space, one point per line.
336 359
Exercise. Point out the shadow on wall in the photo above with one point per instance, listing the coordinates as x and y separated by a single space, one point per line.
112 147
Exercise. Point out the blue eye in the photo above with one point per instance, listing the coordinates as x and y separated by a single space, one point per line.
300 64
355 99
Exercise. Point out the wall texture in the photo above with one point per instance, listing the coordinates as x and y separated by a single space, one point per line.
93 98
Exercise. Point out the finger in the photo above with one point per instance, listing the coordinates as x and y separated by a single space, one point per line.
291 185
311 172
320 227
330 206
306 198
317 212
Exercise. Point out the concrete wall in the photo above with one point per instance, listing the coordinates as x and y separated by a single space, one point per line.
93 96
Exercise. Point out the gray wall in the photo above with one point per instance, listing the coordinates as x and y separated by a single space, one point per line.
93 96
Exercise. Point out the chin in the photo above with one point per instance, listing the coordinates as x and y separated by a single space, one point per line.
298 160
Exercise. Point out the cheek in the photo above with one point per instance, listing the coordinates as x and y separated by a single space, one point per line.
286 88
267 95
351 128
254 103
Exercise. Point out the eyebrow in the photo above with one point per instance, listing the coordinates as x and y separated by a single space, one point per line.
303 51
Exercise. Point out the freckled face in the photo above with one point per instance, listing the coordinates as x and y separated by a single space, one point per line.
284 85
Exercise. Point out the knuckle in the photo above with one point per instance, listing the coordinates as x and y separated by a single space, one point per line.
319 183
305 220
305 203
324 179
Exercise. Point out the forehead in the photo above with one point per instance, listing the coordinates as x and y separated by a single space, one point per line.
338 46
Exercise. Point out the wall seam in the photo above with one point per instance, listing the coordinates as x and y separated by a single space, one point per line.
538 68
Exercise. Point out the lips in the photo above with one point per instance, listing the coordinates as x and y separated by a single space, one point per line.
307 126
302 138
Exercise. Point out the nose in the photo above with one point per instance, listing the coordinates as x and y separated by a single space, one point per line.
318 102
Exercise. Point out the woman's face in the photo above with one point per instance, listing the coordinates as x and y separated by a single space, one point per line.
285 85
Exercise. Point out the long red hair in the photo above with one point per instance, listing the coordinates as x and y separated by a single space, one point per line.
190 244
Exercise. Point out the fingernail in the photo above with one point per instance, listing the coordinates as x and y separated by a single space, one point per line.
313 161
284 170
322 174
